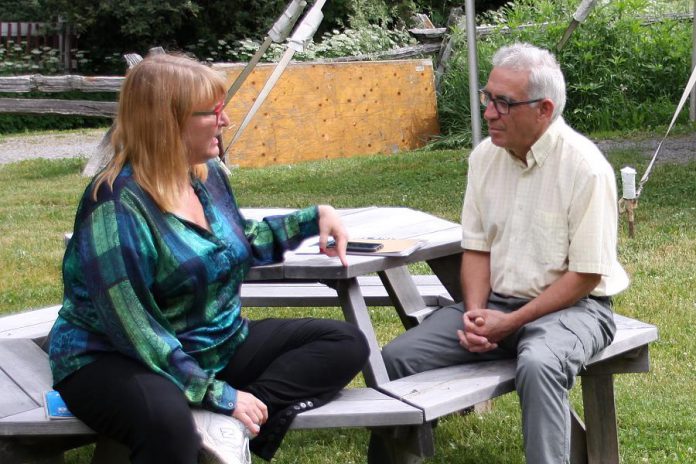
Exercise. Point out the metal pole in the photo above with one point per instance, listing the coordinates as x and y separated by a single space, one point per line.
470 12
692 100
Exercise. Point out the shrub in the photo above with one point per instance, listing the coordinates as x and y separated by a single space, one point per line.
621 73
16 59
349 42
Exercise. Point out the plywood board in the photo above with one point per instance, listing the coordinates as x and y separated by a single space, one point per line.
333 110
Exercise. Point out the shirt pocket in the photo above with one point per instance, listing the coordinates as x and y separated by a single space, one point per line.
549 238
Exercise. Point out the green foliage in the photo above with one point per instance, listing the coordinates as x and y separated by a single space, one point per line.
17 58
211 28
348 42
621 73
125 26
399 12
21 10
17 123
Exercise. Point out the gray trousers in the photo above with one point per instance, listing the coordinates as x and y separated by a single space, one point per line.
550 352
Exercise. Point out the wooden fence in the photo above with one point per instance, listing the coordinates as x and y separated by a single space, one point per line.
25 84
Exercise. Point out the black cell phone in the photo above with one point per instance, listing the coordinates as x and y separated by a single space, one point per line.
363 247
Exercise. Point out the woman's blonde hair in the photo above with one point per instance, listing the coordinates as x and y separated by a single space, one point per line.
158 96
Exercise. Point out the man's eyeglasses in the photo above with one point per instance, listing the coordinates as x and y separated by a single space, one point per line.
502 106
217 111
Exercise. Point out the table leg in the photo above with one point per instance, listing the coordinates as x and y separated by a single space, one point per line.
447 269
355 311
404 294
600 419
38 450
578 440
401 445
108 451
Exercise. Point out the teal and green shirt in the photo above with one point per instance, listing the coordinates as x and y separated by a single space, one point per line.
163 290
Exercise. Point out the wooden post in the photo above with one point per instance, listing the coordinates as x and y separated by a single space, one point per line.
455 20
629 197
631 205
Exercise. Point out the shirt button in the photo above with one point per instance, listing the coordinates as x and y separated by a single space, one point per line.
230 404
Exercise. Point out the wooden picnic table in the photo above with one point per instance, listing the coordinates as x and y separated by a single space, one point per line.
442 391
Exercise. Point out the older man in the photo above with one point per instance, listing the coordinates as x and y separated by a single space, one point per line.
539 268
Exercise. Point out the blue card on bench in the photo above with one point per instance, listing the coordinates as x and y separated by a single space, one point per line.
55 406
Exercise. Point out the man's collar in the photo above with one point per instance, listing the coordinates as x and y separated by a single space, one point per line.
542 147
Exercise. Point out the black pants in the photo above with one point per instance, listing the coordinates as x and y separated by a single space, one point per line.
289 364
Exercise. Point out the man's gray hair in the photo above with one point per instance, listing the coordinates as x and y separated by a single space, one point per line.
545 76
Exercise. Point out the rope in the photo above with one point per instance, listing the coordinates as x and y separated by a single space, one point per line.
684 97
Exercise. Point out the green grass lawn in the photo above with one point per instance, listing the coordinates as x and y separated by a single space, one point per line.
657 417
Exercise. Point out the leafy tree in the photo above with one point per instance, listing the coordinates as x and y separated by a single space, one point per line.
400 11
21 10
113 27
109 28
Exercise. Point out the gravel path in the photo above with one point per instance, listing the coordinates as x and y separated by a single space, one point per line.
677 149
56 145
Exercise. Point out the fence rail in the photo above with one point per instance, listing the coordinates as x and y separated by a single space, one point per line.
65 83
25 84
53 106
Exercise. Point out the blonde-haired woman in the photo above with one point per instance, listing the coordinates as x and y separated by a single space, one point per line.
151 321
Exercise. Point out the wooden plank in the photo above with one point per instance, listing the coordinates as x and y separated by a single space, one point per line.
27 365
396 222
384 222
632 362
317 294
443 391
46 106
34 422
359 407
337 110
36 82
13 399
630 334
31 324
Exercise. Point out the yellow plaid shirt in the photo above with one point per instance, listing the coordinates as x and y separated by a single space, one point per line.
555 214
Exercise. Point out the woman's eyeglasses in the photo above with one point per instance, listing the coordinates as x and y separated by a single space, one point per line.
217 111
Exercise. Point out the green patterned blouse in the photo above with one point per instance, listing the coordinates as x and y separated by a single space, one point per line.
163 290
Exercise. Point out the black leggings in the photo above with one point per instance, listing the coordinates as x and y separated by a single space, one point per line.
289 364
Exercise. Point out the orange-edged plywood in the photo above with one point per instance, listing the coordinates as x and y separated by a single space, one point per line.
332 110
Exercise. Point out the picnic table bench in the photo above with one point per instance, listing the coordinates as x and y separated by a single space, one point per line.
402 410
